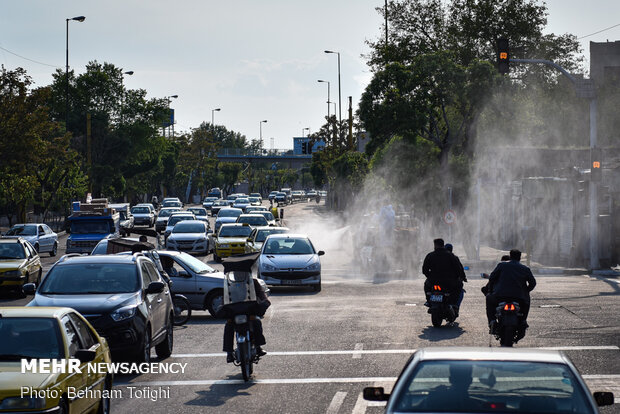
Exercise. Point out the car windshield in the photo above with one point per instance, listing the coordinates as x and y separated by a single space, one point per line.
229 213
288 246
254 221
172 204
267 214
174 220
241 200
30 338
491 386
165 213
208 199
235 231
91 278
22 231
220 203
140 210
253 199
189 228
12 251
262 234
198 211
196 265
90 226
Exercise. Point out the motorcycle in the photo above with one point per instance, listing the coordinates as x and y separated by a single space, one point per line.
509 326
245 351
439 306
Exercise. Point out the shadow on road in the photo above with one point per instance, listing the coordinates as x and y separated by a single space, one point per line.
444 333
218 394
204 319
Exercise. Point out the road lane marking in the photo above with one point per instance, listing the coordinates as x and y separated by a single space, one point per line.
275 381
358 347
390 351
360 405
336 403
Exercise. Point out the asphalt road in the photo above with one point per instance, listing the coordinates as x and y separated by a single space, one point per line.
324 348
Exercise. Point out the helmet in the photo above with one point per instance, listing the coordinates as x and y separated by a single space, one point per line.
448 247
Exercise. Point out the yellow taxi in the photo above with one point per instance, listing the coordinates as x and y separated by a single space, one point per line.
19 264
33 339
230 240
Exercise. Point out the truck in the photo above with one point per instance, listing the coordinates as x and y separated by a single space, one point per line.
126 218
89 223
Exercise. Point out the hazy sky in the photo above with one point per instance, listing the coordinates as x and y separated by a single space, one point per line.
254 59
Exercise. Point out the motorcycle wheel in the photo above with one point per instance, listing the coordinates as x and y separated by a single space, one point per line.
182 310
436 319
507 337
246 362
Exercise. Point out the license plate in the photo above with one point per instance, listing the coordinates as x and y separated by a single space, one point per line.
291 282
436 298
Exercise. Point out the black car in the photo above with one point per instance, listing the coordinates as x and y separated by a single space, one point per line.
122 296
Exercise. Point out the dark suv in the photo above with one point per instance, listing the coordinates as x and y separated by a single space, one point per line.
122 296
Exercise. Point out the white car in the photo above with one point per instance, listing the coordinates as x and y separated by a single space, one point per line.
227 215
189 236
200 213
163 216
40 236
175 218
143 215
290 259
258 236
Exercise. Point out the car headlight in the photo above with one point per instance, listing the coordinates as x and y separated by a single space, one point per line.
12 273
123 313
314 266
269 267
25 403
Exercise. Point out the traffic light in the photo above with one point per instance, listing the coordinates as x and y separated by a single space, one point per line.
596 165
503 56
304 147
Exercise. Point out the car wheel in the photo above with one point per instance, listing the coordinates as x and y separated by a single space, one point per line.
143 354
63 407
104 403
54 250
164 349
214 301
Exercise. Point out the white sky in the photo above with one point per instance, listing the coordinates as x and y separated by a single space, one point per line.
254 59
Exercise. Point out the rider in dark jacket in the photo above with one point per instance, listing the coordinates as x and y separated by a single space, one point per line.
510 281
441 267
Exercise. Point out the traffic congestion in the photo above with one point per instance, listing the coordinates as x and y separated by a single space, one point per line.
165 294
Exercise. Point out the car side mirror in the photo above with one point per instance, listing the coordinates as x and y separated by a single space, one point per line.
85 355
603 398
375 394
29 288
484 275
183 273
155 287
321 253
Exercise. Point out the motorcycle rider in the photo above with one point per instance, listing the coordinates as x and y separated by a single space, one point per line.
244 289
441 267
510 281
462 275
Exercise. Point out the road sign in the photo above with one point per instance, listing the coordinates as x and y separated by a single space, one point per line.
449 217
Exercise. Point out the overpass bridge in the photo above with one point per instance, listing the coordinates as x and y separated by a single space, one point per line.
286 158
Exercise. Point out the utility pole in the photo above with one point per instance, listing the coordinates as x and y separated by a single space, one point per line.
350 143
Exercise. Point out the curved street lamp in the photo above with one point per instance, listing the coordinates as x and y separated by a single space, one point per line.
328 102
129 72
339 95
77 19
261 132
213 118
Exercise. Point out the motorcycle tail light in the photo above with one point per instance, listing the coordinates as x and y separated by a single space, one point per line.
509 307
437 287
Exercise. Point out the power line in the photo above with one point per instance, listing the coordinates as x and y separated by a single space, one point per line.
600 31
23 57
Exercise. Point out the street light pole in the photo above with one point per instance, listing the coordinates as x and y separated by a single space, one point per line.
304 129
129 72
261 132
339 90
77 19
328 102
213 118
